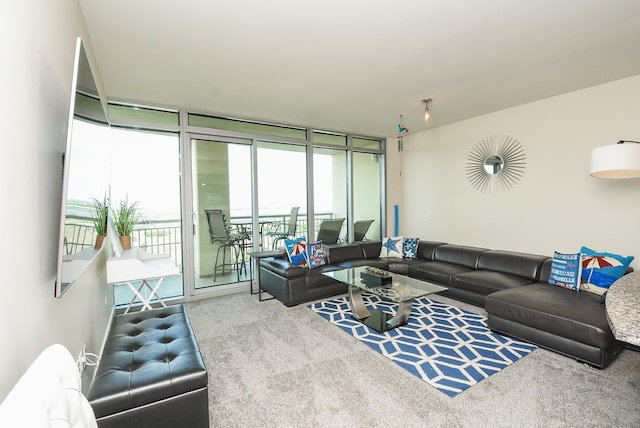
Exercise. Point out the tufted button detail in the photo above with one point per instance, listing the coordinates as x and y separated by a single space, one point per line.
144 353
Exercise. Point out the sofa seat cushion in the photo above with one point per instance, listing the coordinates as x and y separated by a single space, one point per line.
578 316
439 272
487 282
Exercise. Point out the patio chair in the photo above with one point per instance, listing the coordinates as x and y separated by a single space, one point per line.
282 230
330 230
221 233
360 229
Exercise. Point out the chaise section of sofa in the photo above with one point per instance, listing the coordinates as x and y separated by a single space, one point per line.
573 323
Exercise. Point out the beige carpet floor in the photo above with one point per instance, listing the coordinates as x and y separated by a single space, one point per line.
273 366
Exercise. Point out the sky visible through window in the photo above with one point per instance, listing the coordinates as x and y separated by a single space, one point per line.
281 180
145 168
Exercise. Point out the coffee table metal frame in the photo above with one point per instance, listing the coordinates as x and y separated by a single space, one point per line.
402 291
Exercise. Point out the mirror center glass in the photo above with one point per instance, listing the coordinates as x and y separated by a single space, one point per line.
493 164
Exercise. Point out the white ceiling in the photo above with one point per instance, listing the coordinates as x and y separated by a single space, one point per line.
357 65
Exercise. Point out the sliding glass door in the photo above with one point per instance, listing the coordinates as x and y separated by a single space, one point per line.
222 210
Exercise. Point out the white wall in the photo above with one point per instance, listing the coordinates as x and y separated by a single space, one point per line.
556 206
37 41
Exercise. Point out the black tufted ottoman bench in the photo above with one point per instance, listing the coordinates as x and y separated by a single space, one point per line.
151 373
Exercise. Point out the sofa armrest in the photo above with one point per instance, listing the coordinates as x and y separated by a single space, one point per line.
283 267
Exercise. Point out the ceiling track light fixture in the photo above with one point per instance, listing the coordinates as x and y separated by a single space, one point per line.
427 109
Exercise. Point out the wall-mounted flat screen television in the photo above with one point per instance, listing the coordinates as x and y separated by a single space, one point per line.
85 175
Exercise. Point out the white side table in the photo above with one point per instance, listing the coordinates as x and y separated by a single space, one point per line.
138 265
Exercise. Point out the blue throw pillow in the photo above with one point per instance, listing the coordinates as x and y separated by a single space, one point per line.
601 269
297 251
317 253
391 247
410 248
565 270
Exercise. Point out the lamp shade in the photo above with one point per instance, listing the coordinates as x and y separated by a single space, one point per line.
616 161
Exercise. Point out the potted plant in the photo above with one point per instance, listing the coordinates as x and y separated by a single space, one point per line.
126 216
100 211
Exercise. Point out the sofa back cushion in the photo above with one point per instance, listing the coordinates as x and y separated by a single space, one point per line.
427 248
545 270
520 264
344 252
371 249
458 254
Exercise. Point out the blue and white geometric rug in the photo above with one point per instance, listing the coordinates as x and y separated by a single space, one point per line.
449 348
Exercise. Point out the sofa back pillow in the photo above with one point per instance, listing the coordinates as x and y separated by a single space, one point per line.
565 270
297 251
601 269
392 246
410 248
317 254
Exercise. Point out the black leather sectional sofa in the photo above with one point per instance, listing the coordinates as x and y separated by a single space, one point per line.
511 286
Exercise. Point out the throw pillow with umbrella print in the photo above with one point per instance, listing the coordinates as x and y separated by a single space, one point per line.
601 269
297 251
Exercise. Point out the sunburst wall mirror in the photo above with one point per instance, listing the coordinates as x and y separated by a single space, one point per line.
496 164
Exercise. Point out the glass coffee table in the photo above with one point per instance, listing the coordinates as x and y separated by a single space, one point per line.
401 290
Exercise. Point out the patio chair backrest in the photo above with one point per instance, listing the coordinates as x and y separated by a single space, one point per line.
218 229
330 230
360 229
293 221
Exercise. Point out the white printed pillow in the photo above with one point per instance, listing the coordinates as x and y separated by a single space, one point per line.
392 247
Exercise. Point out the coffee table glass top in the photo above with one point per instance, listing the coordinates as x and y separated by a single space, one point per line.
401 289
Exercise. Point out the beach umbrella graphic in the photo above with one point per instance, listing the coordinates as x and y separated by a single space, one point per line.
596 262
297 249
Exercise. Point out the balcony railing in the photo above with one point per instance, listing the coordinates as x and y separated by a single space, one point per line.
164 236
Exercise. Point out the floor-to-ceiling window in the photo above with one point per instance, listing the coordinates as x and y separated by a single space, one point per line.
330 183
282 186
367 187
254 173
145 169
